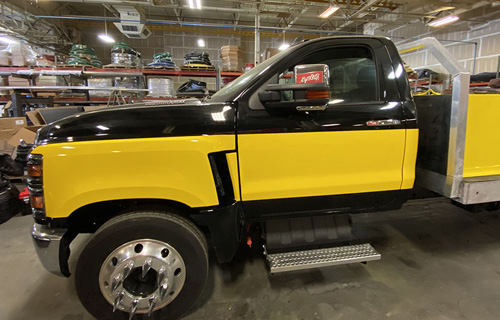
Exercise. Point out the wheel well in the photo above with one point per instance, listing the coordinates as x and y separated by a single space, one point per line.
89 218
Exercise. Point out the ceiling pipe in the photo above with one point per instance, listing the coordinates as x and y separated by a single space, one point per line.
191 24
356 13
319 6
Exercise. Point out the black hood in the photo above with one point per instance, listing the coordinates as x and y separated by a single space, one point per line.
142 121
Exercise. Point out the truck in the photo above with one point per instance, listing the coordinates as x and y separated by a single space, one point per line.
279 158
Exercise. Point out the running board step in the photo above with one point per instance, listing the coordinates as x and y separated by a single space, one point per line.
307 259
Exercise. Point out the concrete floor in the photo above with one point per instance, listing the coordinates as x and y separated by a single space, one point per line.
438 262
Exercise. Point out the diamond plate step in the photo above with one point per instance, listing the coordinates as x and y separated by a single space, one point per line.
307 259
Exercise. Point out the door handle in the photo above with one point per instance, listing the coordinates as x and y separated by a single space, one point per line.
311 108
387 122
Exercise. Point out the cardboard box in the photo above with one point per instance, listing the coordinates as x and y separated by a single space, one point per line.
12 123
18 82
269 52
7 134
28 134
35 117
229 48
44 80
6 148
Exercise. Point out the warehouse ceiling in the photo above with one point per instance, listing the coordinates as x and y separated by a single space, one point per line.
54 22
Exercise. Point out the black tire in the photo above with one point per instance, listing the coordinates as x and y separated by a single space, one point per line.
177 231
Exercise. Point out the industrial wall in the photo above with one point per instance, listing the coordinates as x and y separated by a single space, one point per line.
481 44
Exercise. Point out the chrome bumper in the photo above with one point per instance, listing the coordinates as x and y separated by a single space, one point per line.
47 242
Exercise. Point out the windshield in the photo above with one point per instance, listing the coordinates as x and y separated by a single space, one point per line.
233 89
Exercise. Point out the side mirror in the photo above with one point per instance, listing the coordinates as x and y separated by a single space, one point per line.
311 90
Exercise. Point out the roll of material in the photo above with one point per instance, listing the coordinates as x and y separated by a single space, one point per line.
100 83
127 82
125 59
160 87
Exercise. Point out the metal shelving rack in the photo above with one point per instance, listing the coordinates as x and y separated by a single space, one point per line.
85 73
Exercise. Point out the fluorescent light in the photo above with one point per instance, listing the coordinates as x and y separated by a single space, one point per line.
192 5
284 46
106 38
328 12
443 21
7 40
201 43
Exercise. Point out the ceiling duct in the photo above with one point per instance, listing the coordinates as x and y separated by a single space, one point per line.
131 22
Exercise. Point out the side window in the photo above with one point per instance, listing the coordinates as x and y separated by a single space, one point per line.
353 75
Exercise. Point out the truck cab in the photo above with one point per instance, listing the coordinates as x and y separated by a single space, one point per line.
156 183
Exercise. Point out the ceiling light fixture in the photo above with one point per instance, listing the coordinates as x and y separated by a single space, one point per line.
284 46
328 12
441 9
192 4
7 40
442 21
104 37
201 43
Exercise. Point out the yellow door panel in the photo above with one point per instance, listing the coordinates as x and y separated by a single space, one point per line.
482 156
173 168
411 148
286 165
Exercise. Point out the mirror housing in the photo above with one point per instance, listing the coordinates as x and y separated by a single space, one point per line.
311 90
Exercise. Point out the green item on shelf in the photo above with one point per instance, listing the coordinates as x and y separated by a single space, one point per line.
163 56
81 54
121 44
79 47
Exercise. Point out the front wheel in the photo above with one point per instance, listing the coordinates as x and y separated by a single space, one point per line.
150 263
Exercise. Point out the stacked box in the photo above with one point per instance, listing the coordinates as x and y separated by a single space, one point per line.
19 82
269 52
8 128
48 81
232 58
5 59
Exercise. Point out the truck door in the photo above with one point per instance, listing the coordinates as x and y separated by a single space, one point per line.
347 157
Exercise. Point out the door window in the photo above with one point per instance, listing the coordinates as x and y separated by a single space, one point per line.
353 74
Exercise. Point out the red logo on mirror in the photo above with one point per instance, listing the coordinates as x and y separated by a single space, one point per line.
310 77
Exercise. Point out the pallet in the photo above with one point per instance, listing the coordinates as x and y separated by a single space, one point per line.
159 68
119 67
234 71
185 68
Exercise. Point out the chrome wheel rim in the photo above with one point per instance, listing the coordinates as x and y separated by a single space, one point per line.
142 276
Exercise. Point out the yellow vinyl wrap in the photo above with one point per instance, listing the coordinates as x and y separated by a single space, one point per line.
482 154
286 165
410 159
174 168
